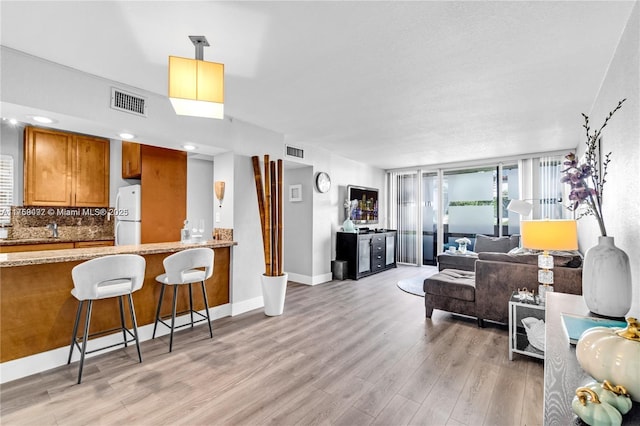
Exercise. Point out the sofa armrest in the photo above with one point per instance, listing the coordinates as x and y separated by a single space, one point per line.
456 261
495 281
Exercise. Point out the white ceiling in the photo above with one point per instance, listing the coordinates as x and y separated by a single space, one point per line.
390 84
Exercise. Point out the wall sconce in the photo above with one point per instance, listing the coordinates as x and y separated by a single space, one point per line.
196 87
218 187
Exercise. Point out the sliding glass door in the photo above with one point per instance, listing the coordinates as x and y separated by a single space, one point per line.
459 203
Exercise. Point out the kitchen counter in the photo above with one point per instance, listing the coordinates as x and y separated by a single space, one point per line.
37 310
81 254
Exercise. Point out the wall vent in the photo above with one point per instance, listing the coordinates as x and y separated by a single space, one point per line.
128 102
292 151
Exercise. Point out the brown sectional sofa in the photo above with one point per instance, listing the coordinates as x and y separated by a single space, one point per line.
485 294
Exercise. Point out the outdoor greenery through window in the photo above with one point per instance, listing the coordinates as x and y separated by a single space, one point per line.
476 202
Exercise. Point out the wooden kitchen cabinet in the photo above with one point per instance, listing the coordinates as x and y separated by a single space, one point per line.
65 169
164 194
131 160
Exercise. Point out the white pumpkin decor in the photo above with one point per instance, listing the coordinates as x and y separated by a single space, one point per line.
613 354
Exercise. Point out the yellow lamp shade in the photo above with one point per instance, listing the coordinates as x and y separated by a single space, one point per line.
196 87
549 234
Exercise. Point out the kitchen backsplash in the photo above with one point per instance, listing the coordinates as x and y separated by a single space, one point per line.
223 234
79 223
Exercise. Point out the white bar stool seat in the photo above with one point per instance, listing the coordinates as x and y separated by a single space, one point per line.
185 267
102 278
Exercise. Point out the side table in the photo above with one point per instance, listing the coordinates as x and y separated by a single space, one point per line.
518 340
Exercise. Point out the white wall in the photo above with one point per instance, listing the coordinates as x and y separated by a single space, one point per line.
328 211
223 171
200 194
248 254
298 217
621 137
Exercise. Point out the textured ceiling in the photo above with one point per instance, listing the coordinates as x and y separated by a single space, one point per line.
391 84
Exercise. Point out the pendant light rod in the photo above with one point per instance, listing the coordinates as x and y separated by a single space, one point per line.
200 42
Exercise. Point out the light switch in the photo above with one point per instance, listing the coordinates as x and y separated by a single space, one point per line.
217 216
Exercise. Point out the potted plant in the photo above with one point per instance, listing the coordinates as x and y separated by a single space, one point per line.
274 281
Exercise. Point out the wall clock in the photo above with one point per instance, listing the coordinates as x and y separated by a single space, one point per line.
323 182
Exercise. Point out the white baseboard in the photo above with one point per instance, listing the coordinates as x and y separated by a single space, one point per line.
238 308
22 367
310 280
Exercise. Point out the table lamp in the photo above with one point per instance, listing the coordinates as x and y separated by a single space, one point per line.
548 235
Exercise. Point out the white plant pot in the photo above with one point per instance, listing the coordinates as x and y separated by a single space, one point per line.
274 290
606 279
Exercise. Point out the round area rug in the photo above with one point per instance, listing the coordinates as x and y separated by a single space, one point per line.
415 285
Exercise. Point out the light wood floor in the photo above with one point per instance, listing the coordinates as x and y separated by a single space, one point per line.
344 352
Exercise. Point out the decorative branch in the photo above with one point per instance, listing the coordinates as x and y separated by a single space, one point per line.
592 170
270 207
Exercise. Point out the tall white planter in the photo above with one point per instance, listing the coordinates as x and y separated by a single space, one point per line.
606 279
274 290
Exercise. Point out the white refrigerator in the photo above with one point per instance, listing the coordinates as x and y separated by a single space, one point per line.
127 213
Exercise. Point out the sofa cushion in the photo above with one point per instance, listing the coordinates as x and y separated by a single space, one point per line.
567 260
452 283
485 243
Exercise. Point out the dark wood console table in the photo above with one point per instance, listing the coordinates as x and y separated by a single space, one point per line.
366 253
562 373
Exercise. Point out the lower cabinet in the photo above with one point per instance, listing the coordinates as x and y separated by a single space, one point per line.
367 253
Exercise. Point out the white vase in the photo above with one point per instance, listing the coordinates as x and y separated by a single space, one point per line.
606 279
274 290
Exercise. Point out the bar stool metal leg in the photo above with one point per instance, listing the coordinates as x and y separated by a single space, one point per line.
206 308
155 325
191 305
173 315
122 323
135 327
75 331
85 337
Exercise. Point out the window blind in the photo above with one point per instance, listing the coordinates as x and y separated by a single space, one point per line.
6 188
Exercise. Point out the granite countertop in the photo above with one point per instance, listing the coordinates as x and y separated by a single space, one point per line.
78 254
49 240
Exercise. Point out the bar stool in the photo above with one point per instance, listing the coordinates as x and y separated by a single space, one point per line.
102 278
185 268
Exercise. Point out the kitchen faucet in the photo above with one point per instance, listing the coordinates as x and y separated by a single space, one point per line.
54 229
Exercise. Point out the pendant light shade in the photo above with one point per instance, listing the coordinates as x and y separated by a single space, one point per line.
196 87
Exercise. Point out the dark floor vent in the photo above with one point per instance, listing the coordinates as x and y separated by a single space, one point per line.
294 152
128 102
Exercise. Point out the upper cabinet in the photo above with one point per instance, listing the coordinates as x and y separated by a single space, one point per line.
131 161
65 169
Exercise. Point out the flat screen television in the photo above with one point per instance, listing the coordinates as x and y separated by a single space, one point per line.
364 202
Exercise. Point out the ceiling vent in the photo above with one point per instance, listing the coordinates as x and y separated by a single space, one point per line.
128 102
292 151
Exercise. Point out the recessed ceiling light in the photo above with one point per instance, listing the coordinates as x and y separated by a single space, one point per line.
42 119
189 147
125 135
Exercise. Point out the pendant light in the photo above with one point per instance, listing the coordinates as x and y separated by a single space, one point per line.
196 87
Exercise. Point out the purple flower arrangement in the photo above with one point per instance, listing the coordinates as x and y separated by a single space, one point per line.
587 179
